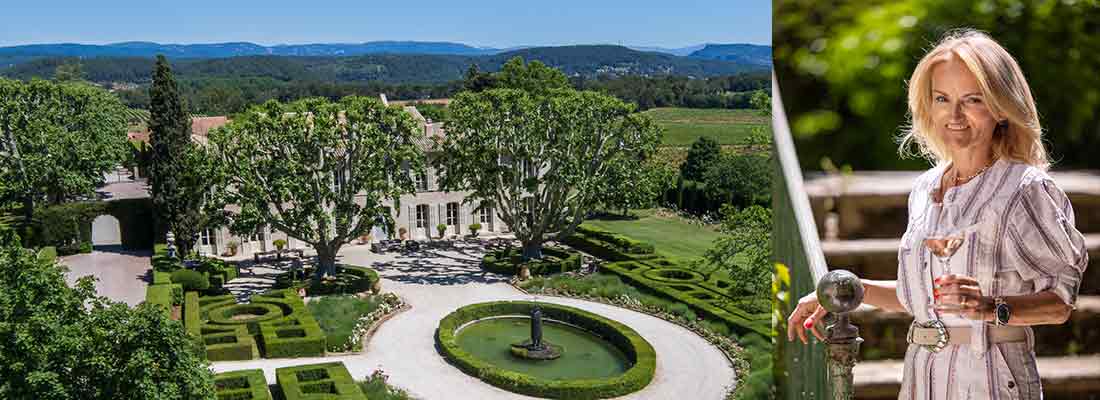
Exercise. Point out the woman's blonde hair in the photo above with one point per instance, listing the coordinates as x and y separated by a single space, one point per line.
1003 87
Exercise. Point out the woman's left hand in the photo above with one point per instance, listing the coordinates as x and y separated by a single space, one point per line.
963 292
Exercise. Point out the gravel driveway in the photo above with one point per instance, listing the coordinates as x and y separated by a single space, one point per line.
437 282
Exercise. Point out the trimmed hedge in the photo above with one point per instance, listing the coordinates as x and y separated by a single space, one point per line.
191 321
229 343
328 381
248 384
190 279
283 328
639 266
507 261
701 295
160 295
638 351
349 279
609 246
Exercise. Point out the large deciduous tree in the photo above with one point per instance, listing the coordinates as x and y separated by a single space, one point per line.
319 171
60 342
543 161
178 185
57 140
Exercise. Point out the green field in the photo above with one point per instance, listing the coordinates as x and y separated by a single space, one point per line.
672 236
683 125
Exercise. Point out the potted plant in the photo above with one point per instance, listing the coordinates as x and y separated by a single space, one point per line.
442 228
232 247
280 244
474 227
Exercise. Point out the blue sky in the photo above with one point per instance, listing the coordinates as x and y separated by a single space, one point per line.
494 23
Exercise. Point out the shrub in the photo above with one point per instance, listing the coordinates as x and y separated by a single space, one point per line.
160 295
507 261
248 384
716 306
305 381
376 387
639 352
161 278
682 310
190 279
48 253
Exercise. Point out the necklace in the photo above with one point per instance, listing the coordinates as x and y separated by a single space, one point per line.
967 179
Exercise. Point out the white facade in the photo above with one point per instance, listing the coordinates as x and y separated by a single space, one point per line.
419 214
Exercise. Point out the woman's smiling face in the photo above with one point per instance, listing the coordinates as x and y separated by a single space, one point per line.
959 111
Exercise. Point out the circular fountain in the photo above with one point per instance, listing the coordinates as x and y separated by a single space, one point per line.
545 350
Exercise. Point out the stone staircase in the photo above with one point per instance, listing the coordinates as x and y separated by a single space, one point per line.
862 235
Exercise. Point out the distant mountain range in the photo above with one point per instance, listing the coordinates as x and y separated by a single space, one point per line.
391 62
11 55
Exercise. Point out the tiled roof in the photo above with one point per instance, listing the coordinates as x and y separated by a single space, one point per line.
201 126
200 129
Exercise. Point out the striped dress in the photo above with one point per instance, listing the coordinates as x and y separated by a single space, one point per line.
1019 238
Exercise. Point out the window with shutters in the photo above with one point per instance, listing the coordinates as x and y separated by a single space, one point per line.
206 237
421 181
422 216
452 214
485 214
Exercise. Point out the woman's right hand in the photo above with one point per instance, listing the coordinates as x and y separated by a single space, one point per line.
805 316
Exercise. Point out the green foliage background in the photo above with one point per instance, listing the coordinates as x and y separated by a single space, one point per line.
842 67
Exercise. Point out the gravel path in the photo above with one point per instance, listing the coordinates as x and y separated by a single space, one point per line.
436 283
121 274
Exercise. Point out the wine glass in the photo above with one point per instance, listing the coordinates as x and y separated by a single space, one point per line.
943 247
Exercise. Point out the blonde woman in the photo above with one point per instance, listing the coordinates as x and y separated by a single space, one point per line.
1018 260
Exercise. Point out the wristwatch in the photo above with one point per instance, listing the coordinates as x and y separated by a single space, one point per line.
1001 311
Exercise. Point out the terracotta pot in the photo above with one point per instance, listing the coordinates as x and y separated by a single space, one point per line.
524 273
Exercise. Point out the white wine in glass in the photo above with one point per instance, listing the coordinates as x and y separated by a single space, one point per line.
944 247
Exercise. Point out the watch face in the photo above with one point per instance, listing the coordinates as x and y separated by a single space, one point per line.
1002 314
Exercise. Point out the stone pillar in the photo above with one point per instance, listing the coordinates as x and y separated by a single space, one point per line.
841 292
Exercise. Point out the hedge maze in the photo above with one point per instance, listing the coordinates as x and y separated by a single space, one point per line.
328 381
638 265
274 325
248 384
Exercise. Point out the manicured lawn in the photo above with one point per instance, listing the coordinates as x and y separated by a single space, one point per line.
672 236
683 125
337 316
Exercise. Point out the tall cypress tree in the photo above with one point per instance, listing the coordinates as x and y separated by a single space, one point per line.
176 201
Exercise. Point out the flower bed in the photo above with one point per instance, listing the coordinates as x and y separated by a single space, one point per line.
367 324
638 351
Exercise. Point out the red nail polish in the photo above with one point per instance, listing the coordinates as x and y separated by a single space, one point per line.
808 324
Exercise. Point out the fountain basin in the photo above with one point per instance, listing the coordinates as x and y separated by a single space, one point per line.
600 358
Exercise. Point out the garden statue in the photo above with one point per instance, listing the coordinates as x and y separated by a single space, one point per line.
535 348
536 328
171 246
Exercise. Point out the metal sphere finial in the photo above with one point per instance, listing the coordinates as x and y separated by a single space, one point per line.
840 291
